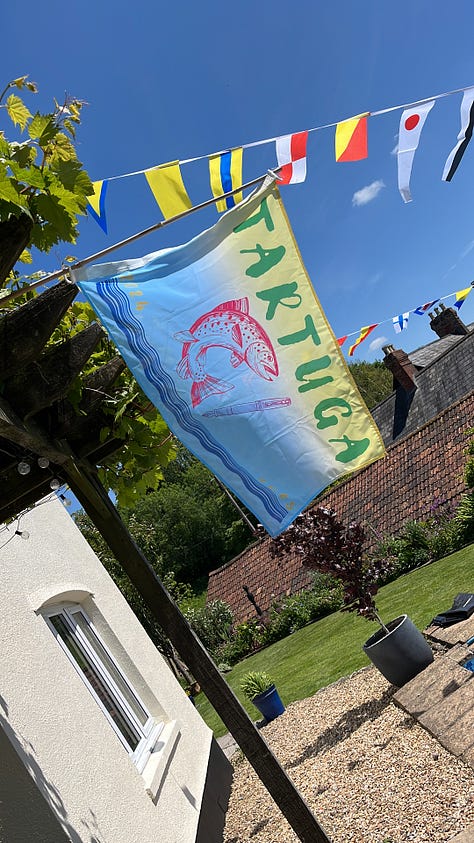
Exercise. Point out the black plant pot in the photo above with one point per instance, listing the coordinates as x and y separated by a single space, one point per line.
400 654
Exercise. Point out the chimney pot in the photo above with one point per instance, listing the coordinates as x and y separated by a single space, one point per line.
447 323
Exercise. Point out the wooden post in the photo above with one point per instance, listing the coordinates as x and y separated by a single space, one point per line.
93 497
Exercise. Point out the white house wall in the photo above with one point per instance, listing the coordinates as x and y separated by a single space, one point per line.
52 720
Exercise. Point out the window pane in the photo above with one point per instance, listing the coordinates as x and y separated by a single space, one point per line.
130 735
102 655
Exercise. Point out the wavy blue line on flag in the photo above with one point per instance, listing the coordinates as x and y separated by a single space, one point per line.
119 306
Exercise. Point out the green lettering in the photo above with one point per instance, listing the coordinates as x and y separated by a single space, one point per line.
277 295
326 404
267 259
262 214
308 331
310 368
354 448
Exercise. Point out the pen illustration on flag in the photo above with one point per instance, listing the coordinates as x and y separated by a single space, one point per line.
225 174
228 326
400 322
411 125
291 157
250 407
166 184
364 333
465 135
96 203
350 139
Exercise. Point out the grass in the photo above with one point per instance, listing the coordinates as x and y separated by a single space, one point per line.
319 654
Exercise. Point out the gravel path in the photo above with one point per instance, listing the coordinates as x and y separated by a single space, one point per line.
369 773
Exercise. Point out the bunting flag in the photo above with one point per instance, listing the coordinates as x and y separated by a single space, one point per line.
411 125
222 331
351 139
400 322
421 310
364 333
225 173
291 157
96 203
465 135
166 184
461 297
342 340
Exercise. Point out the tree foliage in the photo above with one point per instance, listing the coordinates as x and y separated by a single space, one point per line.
41 177
374 381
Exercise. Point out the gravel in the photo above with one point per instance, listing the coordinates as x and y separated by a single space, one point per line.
369 772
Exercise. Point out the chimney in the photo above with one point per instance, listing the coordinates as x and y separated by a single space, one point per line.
446 322
401 367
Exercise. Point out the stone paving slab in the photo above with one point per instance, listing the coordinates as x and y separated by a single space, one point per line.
466 836
455 634
432 686
452 721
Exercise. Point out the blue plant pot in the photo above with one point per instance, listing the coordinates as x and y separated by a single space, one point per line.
269 703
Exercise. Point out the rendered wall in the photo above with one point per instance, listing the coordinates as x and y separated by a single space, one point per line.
91 790
418 471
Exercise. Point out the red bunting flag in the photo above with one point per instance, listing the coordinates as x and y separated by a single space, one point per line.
291 157
364 333
350 139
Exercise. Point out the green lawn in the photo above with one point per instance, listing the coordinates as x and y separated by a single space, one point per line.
319 654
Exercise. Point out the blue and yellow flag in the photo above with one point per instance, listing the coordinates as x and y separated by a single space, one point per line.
166 184
461 297
225 172
96 203
227 338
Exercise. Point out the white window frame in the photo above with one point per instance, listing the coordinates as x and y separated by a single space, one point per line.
148 732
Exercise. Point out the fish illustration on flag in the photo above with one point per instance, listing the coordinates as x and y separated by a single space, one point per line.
226 336
411 125
228 326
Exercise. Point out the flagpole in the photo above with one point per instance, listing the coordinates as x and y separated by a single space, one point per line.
103 252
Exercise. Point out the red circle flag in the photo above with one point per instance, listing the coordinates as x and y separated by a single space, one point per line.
412 121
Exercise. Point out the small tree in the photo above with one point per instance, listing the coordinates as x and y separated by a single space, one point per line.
325 544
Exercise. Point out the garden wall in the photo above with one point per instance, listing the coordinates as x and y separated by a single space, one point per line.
418 471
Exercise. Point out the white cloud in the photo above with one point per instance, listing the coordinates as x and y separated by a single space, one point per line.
367 194
378 343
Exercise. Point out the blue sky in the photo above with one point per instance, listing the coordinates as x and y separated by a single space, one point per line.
167 81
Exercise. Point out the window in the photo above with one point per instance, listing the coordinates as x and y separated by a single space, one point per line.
132 722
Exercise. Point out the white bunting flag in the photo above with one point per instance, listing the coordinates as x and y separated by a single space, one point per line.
411 124
465 135
291 157
400 322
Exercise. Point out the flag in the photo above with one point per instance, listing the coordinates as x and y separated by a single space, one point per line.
342 340
411 124
424 307
243 366
400 322
225 173
465 135
461 297
351 139
364 333
291 157
96 203
166 184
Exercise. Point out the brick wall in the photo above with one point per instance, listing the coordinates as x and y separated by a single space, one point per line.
417 470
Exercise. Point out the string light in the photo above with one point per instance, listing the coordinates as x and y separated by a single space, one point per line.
54 484
24 534
23 467
43 462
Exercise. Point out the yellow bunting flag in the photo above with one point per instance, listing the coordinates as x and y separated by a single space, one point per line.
225 172
167 186
351 139
461 297
364 333
96 203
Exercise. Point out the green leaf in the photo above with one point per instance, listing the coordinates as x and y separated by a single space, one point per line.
42 128
52 210
73 178
30 176
20 82
63 150
25 256
23 153
9 191
17 111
